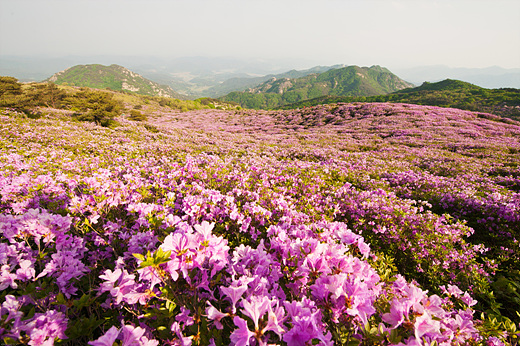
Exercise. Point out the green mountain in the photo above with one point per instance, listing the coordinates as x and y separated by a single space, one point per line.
447 93
245 83
346 81
445 85
114 77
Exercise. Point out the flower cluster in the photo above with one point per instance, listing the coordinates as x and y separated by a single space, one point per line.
339 224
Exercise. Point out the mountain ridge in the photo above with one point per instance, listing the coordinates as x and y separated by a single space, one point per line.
244 83
347 81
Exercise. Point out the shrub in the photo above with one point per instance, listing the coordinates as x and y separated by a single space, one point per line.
135 115
96 106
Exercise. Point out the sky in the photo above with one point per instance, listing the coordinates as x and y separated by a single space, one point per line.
390 33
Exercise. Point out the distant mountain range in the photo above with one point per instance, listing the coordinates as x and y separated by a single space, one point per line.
346 81
114 77
491 77
216 76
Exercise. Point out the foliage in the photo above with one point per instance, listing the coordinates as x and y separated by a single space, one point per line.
9 86
46 94
96 106
135 115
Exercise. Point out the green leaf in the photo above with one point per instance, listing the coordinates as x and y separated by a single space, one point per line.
60 299
170 306
10 341
138 256
82 302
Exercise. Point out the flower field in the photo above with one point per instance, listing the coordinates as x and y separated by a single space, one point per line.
343 224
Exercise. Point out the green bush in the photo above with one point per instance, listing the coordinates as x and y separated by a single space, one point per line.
48 95
9 86
135 115
96 106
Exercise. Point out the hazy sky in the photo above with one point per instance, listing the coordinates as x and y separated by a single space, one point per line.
391 33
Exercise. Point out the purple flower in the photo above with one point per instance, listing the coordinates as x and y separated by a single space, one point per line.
131 335
215 315
185 317
181 339
494 341
234 293
396 315
43 328
106 339
119 283
241 336
256 308
424 324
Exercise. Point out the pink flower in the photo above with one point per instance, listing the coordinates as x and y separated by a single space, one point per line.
107 339
119 283
215 315
241 336
256 308
424 324
274 319
234 293
396 315
43 328
131 335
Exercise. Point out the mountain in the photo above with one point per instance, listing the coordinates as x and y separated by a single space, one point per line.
489 77
450 93
244 83
445 85
114 77
346 81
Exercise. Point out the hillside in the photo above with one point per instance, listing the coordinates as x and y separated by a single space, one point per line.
448 93
347 81
344 224
113 77
100 106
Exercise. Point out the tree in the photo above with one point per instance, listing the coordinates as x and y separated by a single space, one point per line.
136 115
9 86
96 106
12 96
47 94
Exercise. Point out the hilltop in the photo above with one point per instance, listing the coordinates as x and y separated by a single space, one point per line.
447 93
113 77
346 81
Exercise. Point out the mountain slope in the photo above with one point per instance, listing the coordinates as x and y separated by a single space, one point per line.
347 81
447 93
114 77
